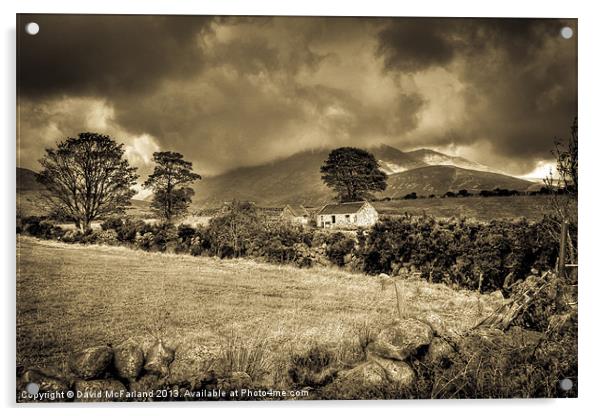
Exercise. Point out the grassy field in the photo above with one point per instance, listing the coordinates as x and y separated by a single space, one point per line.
479 208
70 297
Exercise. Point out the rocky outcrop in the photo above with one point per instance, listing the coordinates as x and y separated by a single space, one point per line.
45 380
386 370
92 362
103 373
129 359
401 339
159 358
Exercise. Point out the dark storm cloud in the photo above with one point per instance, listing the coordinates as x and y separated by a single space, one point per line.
415 44
229 92
412 45
519 79
105 54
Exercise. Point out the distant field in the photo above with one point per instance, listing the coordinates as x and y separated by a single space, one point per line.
71 296
31 203
530 207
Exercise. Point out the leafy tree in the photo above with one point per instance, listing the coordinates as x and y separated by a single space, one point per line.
232 232
170 183
353 173
87 178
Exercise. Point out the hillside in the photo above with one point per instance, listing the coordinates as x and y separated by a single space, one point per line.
294 180
393 160
431 157
26 180
297 180
439 179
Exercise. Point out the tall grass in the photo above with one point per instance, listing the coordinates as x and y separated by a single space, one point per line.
248 356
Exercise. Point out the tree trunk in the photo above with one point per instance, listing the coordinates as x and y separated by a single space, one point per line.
85 226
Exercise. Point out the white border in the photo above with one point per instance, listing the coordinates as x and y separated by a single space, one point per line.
590 151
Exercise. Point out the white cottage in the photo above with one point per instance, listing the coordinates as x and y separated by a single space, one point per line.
347 215
295 214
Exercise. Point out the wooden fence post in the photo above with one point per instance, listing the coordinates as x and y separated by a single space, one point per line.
400 305
562 252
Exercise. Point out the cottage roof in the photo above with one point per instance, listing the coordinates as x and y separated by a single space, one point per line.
297 210
342 208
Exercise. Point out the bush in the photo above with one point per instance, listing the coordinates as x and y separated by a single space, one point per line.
128 230
338 245
145 241
314 368
496 364
279 243
230 234
457 252
113 223
41 227
186 232
72 236
108 237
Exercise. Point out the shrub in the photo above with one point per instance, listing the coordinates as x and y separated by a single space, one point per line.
186 232
113 223
128 230
457 252
108 237
231 233
279 243
89 237
145 241
497 364
338 245
313 368
72 236
41 227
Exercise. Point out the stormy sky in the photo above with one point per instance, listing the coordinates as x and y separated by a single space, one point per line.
237 91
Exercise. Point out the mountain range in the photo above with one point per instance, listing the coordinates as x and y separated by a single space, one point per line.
297 179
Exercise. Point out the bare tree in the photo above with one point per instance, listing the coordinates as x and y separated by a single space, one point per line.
564 187
87 178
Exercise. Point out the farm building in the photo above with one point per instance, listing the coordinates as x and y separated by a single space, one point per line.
347 215
296 214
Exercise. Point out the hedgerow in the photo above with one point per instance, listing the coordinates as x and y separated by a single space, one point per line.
472 255
458 252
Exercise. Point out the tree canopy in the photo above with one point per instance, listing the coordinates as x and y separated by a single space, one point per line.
87 178
170 182
353 173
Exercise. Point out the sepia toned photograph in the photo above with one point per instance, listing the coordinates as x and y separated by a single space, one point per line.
295 208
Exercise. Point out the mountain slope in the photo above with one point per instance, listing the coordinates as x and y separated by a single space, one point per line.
297 180
293 180
393 160
26 180
439 179
431 157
